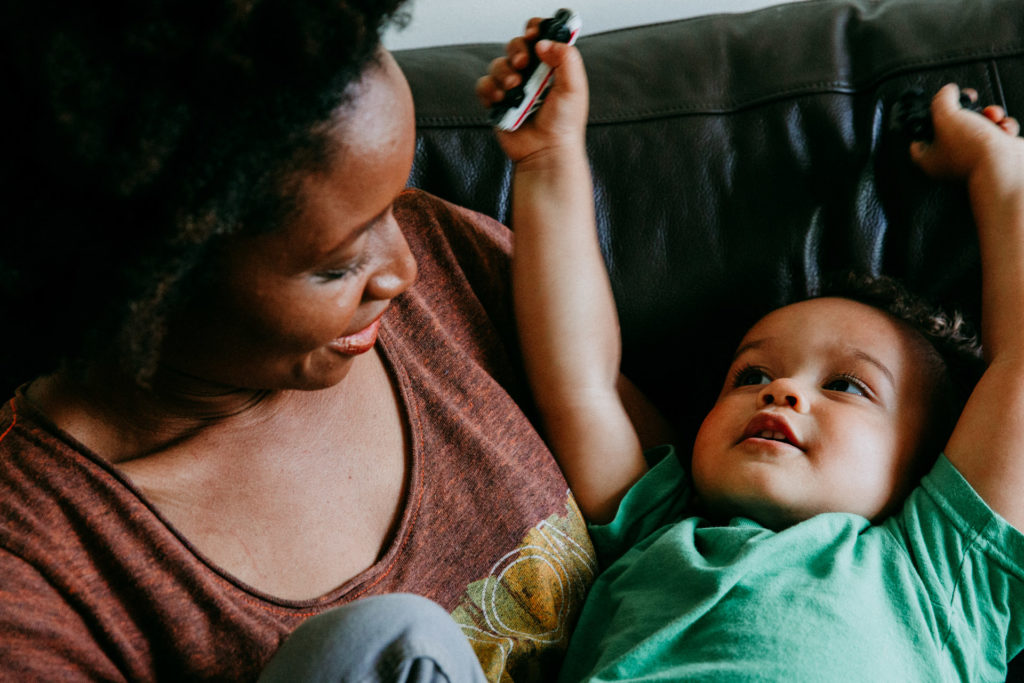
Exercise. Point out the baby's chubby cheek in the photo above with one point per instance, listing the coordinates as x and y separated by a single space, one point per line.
705 448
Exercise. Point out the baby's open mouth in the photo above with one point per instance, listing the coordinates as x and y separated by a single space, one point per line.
774 436
771 427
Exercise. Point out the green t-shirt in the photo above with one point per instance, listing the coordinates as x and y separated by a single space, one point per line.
934 594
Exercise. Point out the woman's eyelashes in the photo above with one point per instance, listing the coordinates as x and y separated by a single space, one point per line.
357 246
334 274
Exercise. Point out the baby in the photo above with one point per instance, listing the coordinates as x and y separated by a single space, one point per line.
799 540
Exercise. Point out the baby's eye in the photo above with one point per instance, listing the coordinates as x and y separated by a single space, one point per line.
846 385
749 377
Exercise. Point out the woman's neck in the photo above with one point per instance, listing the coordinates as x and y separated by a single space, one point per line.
119 419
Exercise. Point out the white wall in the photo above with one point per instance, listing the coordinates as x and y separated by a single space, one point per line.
446 22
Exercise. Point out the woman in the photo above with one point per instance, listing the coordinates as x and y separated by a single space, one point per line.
261 379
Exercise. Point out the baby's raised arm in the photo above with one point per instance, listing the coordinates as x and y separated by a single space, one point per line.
987 446
568 324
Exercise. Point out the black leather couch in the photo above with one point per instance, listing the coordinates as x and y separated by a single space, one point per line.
739 159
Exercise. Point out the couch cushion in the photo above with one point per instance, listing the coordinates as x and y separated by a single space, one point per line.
738 159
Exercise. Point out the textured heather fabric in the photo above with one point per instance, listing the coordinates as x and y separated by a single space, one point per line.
932 594
95 585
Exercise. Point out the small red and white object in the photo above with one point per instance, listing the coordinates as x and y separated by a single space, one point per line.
525 99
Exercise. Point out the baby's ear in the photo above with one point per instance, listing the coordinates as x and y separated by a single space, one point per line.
918 150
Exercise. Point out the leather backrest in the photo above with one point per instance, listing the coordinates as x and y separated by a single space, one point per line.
738 159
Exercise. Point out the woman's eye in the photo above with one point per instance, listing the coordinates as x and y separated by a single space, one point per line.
846 386
328 275
751 377
341 273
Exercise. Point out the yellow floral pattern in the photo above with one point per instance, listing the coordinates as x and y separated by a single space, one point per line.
519 617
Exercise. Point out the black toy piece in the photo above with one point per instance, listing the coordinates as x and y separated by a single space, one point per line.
911 115
524 99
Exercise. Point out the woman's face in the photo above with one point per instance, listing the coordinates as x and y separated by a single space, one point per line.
292 308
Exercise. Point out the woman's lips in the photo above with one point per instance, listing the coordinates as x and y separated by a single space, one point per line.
358 342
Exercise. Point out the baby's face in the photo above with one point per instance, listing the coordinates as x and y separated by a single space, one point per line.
823 410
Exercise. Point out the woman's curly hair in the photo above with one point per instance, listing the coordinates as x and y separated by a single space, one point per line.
142 131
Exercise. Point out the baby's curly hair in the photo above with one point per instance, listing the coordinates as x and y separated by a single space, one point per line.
954 339
143 131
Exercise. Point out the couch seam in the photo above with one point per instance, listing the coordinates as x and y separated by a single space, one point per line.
997 83
835 86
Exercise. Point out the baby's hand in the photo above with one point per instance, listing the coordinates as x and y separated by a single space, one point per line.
562 118
967 142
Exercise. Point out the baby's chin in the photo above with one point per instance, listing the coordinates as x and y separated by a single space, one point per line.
777 516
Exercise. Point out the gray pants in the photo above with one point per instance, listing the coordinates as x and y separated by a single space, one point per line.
396 637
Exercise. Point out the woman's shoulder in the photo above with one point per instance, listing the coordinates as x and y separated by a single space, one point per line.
428 220
463 257
35 455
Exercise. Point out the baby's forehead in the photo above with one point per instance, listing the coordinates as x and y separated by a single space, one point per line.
826 311
840 326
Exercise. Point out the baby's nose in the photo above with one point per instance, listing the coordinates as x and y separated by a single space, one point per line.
782 392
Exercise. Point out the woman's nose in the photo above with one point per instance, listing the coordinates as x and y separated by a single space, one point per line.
783 392
397 265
